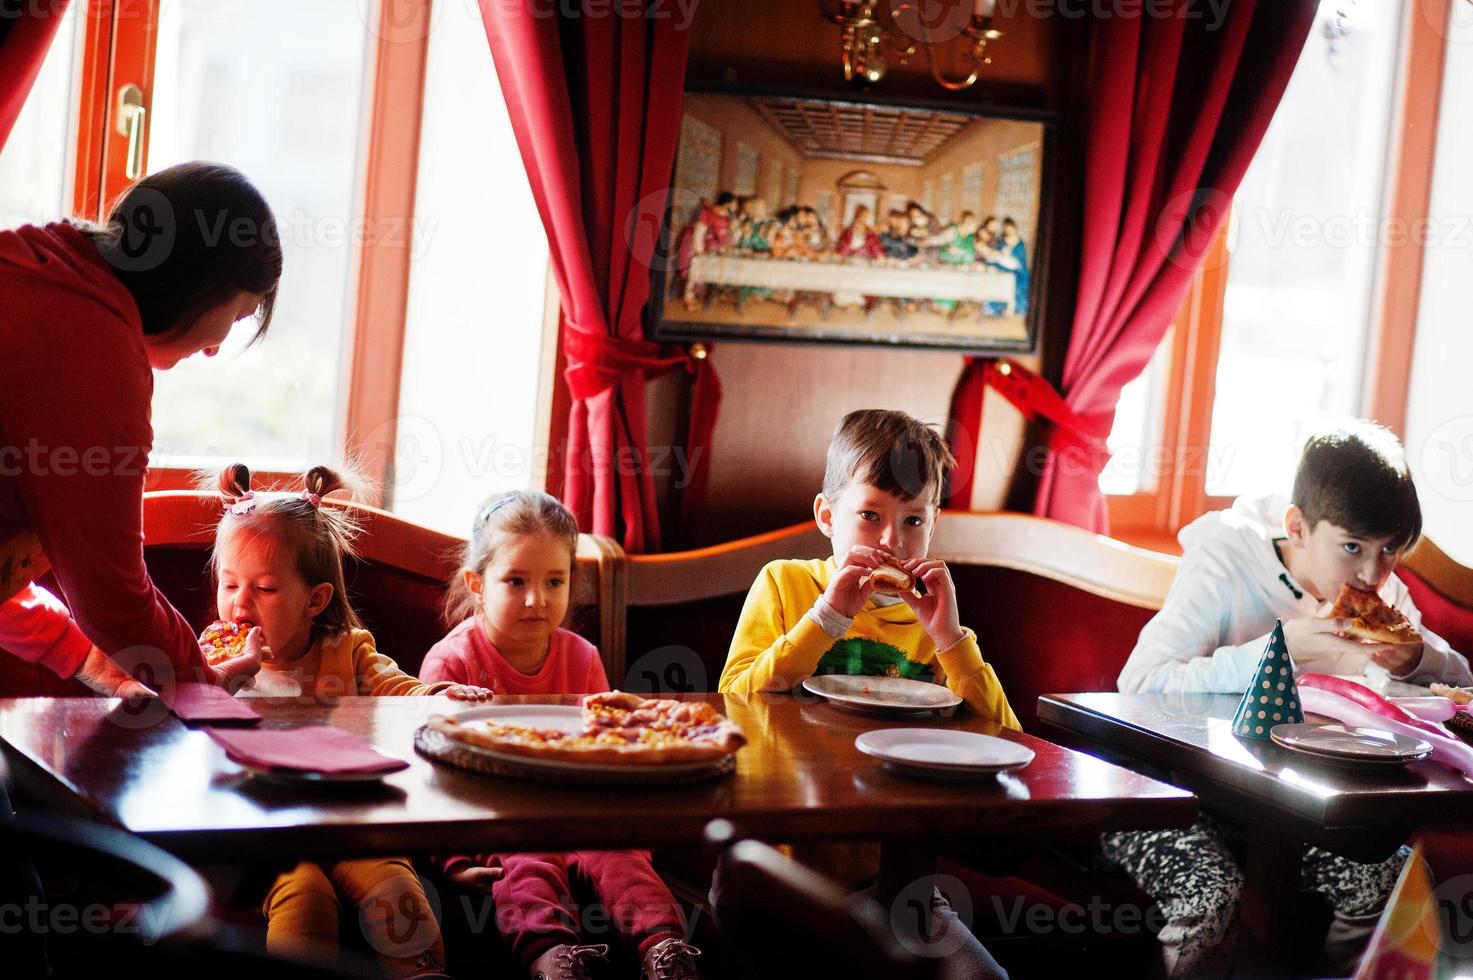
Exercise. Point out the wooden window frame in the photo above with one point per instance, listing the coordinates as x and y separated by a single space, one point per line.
119 44
1150 518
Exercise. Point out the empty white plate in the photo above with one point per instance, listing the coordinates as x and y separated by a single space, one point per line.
1350 744
944 750
881 693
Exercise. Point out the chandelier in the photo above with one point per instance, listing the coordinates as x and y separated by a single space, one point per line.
870 42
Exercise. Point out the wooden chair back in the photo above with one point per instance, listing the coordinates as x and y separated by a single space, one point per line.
786 921
681 608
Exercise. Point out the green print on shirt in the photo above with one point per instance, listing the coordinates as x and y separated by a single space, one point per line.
871 658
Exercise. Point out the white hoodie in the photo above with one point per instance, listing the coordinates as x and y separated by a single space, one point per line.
1210 634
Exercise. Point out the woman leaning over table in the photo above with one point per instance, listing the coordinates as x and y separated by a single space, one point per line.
87 313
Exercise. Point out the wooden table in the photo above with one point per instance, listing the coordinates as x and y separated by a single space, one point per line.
799 778
1285 799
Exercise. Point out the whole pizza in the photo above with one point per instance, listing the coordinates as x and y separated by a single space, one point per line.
1371 619
618 728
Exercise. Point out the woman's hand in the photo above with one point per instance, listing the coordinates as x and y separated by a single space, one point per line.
468 692
105 677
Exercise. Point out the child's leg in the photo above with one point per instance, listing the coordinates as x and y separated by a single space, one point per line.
1358 892
1193 876
534 905
301 912
634 898
394 913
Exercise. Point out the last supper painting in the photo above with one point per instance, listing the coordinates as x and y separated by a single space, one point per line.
813 219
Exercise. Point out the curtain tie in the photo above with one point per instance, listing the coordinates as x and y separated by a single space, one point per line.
596 362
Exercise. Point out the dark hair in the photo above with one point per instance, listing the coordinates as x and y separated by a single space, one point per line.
890 451
318 538
188 238
1356 477
1009 221
725 198
506 514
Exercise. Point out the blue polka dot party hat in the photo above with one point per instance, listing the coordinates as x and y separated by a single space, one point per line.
1271 698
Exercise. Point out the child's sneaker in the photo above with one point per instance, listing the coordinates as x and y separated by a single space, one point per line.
564 962
671 959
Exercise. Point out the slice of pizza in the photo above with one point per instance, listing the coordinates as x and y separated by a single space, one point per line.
1459 695
695 722
1371 619
223 641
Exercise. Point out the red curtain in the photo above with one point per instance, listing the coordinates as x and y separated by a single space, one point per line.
25 36
1177 108
595 102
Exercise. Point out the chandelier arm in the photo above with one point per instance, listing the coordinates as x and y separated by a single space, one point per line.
950 85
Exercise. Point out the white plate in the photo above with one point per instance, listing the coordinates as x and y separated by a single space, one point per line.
567 718
944 750
881 693
1344 742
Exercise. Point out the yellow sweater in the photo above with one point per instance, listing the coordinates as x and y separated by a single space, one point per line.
777 644
348 664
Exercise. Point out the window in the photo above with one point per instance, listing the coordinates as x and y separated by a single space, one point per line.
473 359
1273 337
284 107
415 290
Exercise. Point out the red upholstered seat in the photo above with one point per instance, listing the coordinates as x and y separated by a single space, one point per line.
1446 617
397 584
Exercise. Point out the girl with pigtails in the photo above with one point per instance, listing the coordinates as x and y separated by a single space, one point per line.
278 566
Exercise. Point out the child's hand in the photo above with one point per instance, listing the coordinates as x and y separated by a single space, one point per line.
937 608
468 692
1316 645
239 673
850 589
477 878
1399 658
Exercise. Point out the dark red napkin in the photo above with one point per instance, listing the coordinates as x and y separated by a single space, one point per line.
316 748
207 703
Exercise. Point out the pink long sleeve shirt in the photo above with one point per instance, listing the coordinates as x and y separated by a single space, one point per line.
467 656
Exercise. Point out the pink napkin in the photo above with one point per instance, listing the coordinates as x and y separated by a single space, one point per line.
316 748
206 702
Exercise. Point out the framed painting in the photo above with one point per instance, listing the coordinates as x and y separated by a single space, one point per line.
876 223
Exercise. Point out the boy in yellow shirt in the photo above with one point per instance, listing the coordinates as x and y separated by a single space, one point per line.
880 500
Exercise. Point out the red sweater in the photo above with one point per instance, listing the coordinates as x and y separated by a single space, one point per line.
75 434
467 656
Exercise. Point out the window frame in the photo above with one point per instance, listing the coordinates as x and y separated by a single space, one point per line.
119 44
1151 517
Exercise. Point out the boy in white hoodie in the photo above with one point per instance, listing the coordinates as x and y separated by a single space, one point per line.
1353 514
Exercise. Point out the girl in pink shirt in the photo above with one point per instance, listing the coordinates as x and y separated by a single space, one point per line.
509 600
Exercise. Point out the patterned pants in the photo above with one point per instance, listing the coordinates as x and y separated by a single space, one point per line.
1193 875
